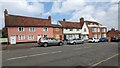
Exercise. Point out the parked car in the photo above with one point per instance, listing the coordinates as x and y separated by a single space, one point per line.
75 41
115 39
93 40
103 40
49 41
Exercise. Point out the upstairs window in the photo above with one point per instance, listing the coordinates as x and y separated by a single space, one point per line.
77 29
103 29
94 30
85 30
32 29
57 29
20 29
45 29
71 29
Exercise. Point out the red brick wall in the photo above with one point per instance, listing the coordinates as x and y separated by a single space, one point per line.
60 32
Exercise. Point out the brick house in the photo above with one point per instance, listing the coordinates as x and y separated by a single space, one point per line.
113 33
71 30
57 31
26 29
92 29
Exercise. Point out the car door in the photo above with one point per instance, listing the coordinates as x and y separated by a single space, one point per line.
77 40
55 41
50 41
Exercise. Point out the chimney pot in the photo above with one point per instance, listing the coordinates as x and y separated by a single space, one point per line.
64 19
6 12
49 17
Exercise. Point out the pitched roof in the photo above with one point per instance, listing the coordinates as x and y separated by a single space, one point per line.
67 24
56 25
22 21
92 22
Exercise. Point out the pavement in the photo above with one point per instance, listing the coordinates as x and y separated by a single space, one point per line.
18 46
87 54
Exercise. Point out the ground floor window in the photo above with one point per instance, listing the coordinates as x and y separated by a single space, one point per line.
84 36
57 36
71 36
31 37
103 35
95 36
21 37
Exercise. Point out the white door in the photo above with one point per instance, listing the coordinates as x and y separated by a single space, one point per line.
13 39
38 37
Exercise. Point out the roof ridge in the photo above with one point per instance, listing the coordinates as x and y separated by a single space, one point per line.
28 17
69 21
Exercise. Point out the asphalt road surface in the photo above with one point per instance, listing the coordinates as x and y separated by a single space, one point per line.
87 54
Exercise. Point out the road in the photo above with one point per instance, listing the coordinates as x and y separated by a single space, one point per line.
87 54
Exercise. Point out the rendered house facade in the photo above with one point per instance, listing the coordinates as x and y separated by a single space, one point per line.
71 30
26 29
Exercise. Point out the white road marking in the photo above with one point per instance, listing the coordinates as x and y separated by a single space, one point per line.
56 52
81 48
105 60
34 55
17 57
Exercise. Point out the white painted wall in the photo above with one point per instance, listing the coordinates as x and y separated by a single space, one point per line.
71 32
87 30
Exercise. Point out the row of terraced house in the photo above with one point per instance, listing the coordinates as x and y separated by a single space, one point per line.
28 29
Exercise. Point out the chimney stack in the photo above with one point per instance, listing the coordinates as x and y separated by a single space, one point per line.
64 19
6 12
81 21
49 17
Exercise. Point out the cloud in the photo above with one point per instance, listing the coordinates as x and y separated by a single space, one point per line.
85 12
107 17
20 7
73 8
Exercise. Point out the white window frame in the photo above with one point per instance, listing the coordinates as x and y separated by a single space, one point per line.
71 29
19 30
57 29
33 29
85 30
57 36
103 30
103 35
95 29
94 35
45 29
22 37
29 37
77 29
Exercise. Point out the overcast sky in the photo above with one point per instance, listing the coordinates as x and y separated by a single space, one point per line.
102 11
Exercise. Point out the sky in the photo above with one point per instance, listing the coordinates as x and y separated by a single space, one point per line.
104 12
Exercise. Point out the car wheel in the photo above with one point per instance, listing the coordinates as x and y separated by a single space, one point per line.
74 43
60 44
82 42
45 44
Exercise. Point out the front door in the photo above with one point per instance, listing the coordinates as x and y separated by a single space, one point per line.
13 39
38 37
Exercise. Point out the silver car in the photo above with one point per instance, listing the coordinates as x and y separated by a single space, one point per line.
75 41
49 41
